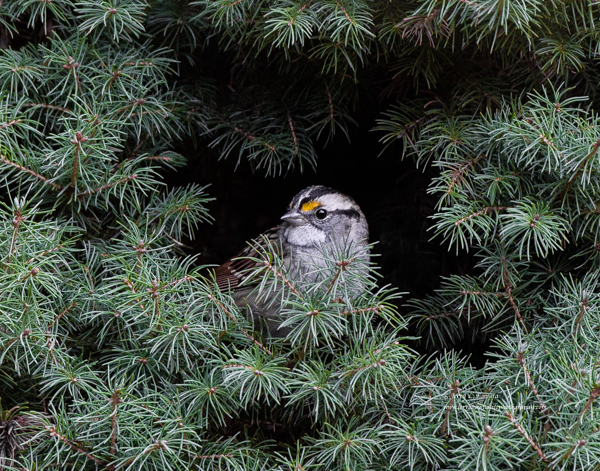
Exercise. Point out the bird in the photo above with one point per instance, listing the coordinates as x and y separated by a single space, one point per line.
319 220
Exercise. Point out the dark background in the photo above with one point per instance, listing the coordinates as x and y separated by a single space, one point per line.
390 190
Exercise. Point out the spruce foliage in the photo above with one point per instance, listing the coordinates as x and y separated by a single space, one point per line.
119 352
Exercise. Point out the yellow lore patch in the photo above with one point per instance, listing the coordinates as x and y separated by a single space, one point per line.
310 205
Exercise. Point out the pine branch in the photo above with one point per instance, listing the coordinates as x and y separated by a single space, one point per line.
53 433
234 320
30 172
481 212
521 359
534 445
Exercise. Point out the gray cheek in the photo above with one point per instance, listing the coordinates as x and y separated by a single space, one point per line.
340 227
351 230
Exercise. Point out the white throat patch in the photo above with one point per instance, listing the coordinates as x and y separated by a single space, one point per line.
305 235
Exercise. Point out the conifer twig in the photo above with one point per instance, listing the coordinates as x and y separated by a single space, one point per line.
53 433
234 320
481 212
534 445
521 359
38 176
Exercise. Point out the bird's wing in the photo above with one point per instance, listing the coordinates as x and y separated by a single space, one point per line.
231 273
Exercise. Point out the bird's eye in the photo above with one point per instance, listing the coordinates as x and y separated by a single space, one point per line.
321 213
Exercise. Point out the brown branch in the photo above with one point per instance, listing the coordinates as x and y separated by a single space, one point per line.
546 141
341 266
131 287
579 168
74 70
236 365
375 364
487 209
304 7
140 250
180 280
157 446
140 144
256 342
9 343
151 157
133 103
115 76
32 272
144 63
50 107
300 10
280 275
346 14
454 389
214 457
293 133
331 110
54 433
582 164
521 359
582 310
594 394
248 134
115 401
65 310
234 320
153 292
508 291
44 253
272 148
414 27
166 115
11 123
30 172
393 344
430 403
18 219
107 186
444 315
375 309
538 450
514 306
465 292
222 307
77 141
176 242
158 157
16 69
570 451
459 172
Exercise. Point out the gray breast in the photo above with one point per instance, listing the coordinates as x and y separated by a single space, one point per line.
311 267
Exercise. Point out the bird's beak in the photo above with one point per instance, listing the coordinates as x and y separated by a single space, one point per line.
294 217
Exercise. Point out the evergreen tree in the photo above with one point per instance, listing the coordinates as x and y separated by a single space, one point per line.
119 352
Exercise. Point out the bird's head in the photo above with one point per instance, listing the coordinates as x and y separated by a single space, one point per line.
319 214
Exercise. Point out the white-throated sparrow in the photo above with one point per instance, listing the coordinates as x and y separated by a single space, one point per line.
319 221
